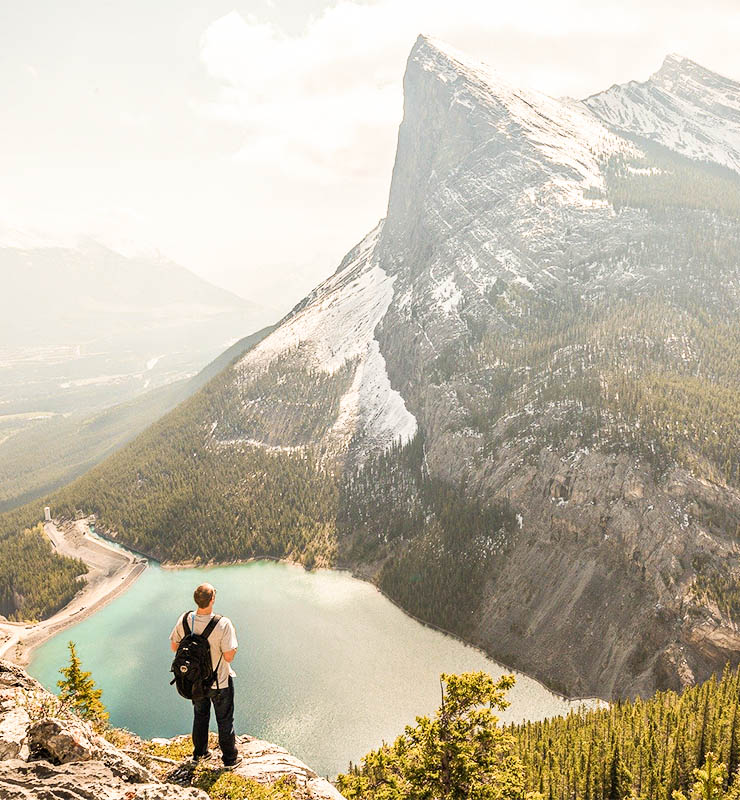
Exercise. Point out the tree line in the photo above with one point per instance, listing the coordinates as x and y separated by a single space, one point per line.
666 747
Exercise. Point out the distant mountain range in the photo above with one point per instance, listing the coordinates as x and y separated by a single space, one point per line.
86 327
47 453
514 406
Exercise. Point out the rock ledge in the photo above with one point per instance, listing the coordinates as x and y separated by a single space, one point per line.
47 754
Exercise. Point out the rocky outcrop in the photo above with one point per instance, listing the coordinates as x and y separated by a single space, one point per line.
598 580
47 753
41 780
266 763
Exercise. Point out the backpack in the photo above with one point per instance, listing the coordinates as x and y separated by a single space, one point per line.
192 666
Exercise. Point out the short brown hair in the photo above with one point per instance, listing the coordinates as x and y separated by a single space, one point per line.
204 594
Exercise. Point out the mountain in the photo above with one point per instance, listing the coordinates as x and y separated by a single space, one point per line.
86 327
682 106
513 406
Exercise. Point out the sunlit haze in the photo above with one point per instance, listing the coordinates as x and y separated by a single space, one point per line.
253 142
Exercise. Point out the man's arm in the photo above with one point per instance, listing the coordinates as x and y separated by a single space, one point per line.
229 641
176 635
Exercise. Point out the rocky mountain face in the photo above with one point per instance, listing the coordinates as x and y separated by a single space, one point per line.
47 754
527 309
683 106
514 405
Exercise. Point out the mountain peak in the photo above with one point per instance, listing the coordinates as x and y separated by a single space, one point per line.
683 106
675 59
449 96
677 70
441 58
441 48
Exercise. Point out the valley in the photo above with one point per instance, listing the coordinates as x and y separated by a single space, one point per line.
512 407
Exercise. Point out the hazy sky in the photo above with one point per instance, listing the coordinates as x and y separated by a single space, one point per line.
253 140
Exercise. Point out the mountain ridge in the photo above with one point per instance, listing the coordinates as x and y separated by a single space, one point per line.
679 106
87 327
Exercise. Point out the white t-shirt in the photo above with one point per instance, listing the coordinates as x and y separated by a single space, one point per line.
221 640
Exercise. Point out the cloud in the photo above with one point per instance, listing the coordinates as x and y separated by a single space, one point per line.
323 105
316 106
132 119
264 167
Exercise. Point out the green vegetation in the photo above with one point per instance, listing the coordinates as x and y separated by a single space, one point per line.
709 782
460 754
438 545
52 452
193 490
663 179
34 581
654 745
77 689
178 749
669 747
222 785
712 585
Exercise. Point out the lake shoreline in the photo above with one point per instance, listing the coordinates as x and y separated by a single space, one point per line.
111 573
365 579
119 583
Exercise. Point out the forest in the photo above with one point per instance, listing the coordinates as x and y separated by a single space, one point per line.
34 581
653 749
438 544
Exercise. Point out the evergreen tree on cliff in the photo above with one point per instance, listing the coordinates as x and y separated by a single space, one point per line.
78 689
460 754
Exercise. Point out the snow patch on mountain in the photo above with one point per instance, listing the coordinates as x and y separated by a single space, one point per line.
336 323
372 409
447 295
683 106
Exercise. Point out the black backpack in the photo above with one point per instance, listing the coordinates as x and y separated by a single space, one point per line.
192 666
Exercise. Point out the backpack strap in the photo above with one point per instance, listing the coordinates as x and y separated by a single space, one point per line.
208 630
185 626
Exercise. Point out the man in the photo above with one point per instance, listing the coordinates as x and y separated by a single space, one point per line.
223 644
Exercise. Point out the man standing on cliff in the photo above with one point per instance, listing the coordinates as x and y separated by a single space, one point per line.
223 644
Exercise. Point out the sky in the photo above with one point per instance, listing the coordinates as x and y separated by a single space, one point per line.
252 141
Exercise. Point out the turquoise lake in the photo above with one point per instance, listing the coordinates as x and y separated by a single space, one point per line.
327 667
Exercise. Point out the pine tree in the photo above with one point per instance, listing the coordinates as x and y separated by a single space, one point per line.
459 754
709 780
78 688
620 779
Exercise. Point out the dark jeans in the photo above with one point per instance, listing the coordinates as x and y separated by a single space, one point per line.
223 705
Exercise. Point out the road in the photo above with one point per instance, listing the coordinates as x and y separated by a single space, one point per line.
110 572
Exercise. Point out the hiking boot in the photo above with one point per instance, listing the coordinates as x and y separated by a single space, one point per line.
234 764
195 759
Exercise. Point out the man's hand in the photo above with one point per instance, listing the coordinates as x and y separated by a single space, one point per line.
229 655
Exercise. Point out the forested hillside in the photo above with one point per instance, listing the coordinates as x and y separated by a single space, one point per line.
34 581
642 750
